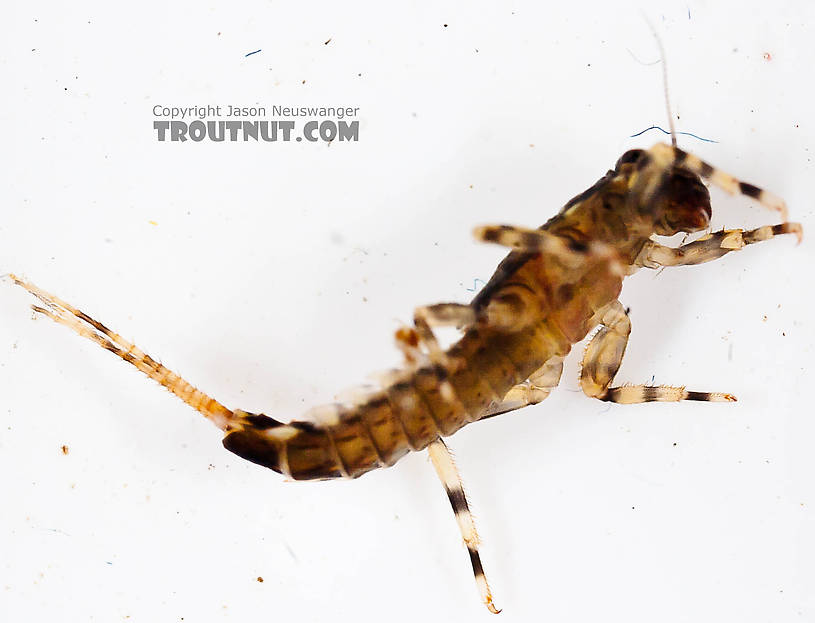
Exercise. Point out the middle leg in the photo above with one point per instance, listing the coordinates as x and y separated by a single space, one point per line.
603 357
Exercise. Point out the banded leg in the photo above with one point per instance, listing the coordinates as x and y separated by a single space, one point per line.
712 246
603 357
65 314
572 253
666 156
408 340
450 478
440 314
533 391
456 315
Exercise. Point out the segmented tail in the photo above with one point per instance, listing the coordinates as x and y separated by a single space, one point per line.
65 314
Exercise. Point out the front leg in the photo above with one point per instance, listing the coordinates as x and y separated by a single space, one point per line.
711 247
603 357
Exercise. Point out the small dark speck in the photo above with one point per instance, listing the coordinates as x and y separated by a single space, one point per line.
260 579
360 75
588 64
445 25
64 449
674 443
328 41
303 82
632 508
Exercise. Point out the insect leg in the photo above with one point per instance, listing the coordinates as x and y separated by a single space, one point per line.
666 156
63 313
450 478
603 357
440 315
533 391
710 247
408 339
456 315
571 252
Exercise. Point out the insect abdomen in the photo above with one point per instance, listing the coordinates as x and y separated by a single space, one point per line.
349 442
410 413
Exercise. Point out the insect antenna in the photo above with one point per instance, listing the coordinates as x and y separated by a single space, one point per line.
664 79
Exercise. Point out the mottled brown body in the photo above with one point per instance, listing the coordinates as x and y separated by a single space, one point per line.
536 305
408 415
559 283
562 304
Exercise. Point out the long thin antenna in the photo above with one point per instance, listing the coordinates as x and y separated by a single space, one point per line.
664 79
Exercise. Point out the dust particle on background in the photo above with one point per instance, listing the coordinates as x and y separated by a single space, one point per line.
64 449
768 56
260 579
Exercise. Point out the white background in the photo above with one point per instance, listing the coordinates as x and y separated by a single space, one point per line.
272 275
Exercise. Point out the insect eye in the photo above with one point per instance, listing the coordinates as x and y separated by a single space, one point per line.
632 155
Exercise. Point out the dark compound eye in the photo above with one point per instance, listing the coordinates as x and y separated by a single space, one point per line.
632 155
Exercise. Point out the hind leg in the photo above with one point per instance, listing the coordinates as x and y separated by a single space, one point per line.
603 357
448 474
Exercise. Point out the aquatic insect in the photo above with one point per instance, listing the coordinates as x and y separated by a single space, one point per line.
558 283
